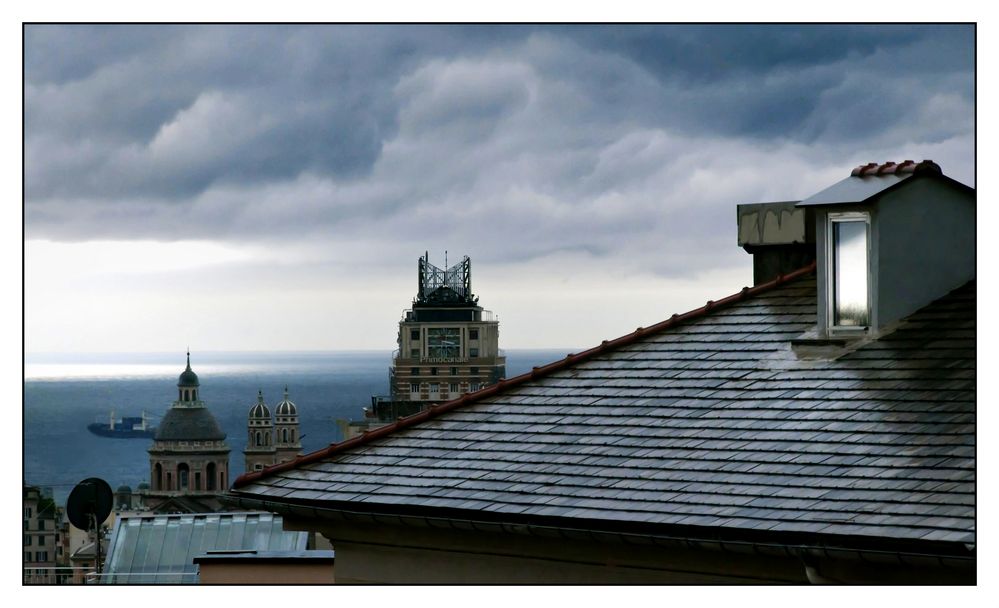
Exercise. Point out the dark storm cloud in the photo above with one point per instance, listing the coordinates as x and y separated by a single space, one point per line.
515 142
711 52
768 81
305 99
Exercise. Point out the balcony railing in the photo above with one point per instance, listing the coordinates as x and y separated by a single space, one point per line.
55 575
78 575
143 578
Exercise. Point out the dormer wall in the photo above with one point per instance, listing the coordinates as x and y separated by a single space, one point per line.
926 246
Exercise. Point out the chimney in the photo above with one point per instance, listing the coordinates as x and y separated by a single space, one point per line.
779 236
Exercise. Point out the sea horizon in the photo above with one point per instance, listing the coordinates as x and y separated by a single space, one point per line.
45 366
64 392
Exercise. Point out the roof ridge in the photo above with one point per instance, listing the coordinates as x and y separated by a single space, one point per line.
505 384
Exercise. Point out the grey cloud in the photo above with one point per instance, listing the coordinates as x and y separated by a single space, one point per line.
464 99
100 87
768 81
631 144
62 54
723 51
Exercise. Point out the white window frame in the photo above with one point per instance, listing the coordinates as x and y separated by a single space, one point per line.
831 219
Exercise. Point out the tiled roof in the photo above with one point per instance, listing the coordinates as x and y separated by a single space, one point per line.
707 420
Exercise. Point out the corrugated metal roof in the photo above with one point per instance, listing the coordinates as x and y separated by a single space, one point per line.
711 422
160 549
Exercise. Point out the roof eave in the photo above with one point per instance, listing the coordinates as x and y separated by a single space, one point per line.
719 537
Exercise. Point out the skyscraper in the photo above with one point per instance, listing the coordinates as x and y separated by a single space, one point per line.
448 346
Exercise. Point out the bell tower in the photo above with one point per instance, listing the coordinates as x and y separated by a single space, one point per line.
287 440
260 449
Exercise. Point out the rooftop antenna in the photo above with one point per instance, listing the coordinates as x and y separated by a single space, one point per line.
88 505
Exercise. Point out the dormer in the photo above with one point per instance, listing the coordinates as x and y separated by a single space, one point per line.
889 239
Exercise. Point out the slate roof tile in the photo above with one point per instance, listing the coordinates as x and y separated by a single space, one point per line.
709 421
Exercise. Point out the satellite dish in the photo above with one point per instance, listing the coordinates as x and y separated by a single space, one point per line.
89 503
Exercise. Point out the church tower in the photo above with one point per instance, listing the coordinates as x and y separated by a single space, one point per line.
286 437
260 449
189 458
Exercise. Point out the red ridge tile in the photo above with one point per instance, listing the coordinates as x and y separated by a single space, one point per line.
889 168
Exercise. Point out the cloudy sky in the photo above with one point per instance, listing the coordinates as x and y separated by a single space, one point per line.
264 187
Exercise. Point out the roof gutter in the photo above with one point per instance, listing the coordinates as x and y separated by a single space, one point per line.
809 554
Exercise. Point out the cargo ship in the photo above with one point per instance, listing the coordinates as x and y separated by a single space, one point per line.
126 427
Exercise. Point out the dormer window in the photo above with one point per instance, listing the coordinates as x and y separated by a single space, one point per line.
849 275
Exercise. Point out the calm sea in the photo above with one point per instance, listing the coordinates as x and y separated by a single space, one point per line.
65 393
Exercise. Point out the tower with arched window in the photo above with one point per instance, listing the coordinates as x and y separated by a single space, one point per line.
287 439
189 458
260 449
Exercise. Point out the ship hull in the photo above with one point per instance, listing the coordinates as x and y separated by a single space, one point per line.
104 430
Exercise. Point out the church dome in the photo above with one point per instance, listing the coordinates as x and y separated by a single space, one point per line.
188 378
259 409
286 407
189 424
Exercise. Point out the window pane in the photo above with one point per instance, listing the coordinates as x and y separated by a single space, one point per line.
850 278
